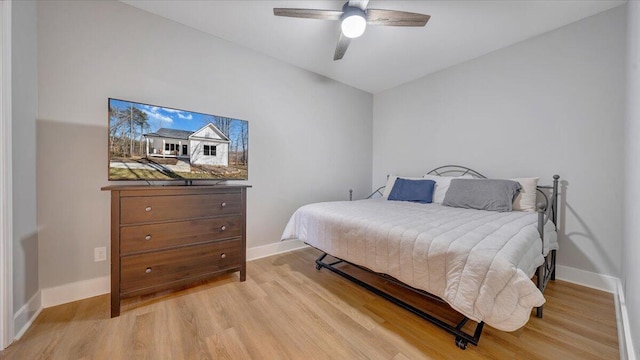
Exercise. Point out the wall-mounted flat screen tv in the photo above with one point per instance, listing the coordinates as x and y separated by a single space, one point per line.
149 142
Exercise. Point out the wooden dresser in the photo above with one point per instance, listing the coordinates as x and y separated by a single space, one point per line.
169 237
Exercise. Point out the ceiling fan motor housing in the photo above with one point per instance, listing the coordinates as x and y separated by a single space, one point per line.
353 22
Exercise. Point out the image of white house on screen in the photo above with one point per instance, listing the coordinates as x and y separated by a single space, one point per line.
206 146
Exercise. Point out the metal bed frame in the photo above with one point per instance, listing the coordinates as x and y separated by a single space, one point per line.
547 210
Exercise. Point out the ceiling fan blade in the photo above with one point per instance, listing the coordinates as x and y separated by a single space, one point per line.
362 4
395 18
341 48
308 13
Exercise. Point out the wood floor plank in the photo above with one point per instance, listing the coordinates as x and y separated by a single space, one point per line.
289 310
227 346
333 326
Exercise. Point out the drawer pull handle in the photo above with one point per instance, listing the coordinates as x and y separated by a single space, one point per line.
147 209
223 256
223 228
148 270
148 237
223 204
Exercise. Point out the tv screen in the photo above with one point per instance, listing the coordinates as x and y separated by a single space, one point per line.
149 142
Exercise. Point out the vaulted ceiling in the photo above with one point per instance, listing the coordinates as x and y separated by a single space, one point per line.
383 57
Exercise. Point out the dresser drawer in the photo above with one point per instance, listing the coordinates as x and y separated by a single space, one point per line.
137 238
143 209
150 272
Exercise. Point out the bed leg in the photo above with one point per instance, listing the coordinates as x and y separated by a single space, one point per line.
553 259
461 343
319 261
540 283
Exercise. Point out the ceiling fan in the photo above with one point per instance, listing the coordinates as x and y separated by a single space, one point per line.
354 18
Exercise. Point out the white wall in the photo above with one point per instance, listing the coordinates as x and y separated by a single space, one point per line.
309 137
631 242
551 104
24 106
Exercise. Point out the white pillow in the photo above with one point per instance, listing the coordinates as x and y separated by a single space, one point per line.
442 185
526 199
391 181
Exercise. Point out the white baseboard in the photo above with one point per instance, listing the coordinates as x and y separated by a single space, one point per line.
624 330
586 278
75 291
280 247
27 314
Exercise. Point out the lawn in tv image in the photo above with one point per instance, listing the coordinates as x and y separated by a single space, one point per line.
148 142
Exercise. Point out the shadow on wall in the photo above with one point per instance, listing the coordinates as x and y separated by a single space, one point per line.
570 242
73 213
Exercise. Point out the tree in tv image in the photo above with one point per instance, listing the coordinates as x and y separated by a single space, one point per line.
148 142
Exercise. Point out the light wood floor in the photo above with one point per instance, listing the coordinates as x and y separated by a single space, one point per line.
288 310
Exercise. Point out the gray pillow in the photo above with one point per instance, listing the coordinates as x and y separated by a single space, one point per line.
482 194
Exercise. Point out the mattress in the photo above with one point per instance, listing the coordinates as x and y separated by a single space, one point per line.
480 262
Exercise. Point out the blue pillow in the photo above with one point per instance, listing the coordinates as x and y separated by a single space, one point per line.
413 190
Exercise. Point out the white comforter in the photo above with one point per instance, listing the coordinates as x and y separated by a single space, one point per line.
480 262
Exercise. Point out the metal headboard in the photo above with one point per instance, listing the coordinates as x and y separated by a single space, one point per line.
446 170
455 170
548 208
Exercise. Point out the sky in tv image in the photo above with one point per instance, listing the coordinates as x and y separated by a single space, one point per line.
149 142
162 117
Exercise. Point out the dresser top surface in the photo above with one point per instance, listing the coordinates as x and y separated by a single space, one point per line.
171 187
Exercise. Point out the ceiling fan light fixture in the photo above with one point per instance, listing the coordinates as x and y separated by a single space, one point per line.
353 23
354 18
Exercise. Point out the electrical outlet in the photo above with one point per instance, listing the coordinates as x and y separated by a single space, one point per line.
100 254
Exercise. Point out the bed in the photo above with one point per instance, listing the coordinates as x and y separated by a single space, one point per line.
480 262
